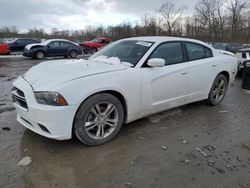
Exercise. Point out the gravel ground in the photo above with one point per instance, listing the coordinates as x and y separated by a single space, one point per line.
192 146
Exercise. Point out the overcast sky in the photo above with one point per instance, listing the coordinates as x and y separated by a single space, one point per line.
77 14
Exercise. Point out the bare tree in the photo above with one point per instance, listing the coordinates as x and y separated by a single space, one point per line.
171 17
236 10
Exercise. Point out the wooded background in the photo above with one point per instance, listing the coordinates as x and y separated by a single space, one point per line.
212 21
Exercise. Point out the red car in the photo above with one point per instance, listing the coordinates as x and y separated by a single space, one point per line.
93 45
4 49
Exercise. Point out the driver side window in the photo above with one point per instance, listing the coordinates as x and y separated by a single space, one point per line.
171 52
54 44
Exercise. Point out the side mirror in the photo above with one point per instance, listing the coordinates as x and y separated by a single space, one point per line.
156 62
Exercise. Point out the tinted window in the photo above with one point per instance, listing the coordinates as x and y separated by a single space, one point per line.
103 41
208 52
54 44
66 44
195 51
33 41
20 42
170 52
244 55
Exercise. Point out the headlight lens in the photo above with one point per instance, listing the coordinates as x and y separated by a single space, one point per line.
50 98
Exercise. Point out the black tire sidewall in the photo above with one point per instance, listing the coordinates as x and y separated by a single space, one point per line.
80 117
210 97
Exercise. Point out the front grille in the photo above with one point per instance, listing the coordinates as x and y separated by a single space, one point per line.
19 97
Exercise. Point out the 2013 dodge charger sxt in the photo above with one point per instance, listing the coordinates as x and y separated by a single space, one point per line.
128 80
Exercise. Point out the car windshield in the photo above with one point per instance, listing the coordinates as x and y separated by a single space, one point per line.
10 40
127 51
46 42
95 40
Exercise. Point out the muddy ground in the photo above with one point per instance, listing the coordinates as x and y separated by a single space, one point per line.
193 146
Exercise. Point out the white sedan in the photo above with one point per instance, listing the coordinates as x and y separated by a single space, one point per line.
130 79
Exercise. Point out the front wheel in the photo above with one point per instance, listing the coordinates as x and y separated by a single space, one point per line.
40 55
218 90
99 119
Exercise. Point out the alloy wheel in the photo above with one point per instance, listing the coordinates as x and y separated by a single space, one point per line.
101 120
219 90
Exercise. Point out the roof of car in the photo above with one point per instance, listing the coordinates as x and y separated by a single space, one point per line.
244 50
160 39
52 40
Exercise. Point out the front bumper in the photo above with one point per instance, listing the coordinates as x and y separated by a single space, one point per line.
50 121
28 53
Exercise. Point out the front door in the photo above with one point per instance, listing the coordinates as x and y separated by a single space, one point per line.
165 87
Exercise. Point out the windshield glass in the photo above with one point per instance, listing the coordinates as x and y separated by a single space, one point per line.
9 40
46 42
127 51
95 40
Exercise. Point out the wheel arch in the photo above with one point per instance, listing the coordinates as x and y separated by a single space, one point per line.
226 74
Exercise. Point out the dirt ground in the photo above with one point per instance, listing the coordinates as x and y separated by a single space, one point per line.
193 146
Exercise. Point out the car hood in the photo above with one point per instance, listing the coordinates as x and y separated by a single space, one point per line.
29 46
47 75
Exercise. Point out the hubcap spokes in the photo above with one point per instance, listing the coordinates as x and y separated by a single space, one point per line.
219 90
101 120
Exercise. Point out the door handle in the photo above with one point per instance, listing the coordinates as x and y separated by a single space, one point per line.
214 65
184 73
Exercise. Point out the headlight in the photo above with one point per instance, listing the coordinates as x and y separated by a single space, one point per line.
50 98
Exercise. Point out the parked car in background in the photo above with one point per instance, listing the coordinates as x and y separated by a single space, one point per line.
242 55
230 47
245 46
93 45
19 44
52 48
127 80
4 49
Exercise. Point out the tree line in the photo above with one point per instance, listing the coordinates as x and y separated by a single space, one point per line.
212 20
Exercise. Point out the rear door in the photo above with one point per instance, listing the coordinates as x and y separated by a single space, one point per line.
165 87
202 68
66 47
18 45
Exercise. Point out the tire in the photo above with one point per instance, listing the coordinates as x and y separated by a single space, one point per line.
73 54
40 55
218 90
95 127
92 50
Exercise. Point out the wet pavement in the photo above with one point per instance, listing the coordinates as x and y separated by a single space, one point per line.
192 146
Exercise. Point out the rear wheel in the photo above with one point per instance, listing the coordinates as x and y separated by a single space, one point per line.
218 90
99 119
73 54
40 55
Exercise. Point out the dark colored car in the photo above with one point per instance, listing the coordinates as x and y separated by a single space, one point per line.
19 44
52 48
227 47
93 45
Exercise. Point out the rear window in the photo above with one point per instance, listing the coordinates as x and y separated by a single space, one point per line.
195 51
241 55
